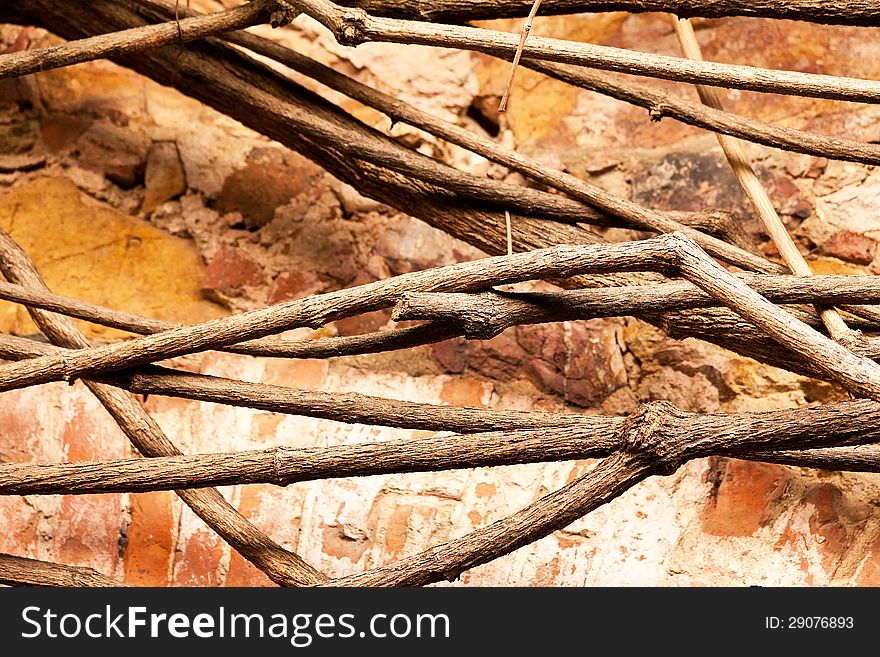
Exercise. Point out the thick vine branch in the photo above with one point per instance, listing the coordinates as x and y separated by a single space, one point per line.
283 465
555 262
674 252
369 145
657 441
21 571
133 40
841 12
594 197
503 310
489 313
354 26
269 347
828 427
206 71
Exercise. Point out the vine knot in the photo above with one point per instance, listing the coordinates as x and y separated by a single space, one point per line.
651 434
352 27
281 13
657 111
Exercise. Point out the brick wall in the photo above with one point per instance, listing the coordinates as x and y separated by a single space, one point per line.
133 196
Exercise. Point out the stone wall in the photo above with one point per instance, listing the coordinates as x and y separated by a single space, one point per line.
133 196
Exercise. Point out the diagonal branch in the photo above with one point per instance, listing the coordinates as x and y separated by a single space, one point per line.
591 195
555 262
753 188
526 30
145 434
133 40
664 253
660 104
21 571
656 441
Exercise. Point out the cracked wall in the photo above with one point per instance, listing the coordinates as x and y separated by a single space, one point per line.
130 195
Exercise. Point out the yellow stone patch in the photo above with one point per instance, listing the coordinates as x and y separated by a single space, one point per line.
540 104
823 265
88 250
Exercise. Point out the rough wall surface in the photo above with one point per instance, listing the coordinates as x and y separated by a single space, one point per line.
130 195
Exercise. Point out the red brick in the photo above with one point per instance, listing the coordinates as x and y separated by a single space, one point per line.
61 130
851 247
87 533
164 177
869 575
20 525
338 543
583 369
396 530
303 374
363 323
743 497
295 285
150 549
834 521
270 178
88 529
118 153
450 355
230 270
241 571
485 489
461 392
197 559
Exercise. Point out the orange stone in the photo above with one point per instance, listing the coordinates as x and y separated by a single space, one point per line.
461 392
743 497
102 256
150 548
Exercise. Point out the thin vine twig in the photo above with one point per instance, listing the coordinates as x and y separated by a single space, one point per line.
526 30
739 162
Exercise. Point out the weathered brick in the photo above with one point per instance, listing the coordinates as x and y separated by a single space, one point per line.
851 247
743 494
149 551
230 270
461 392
